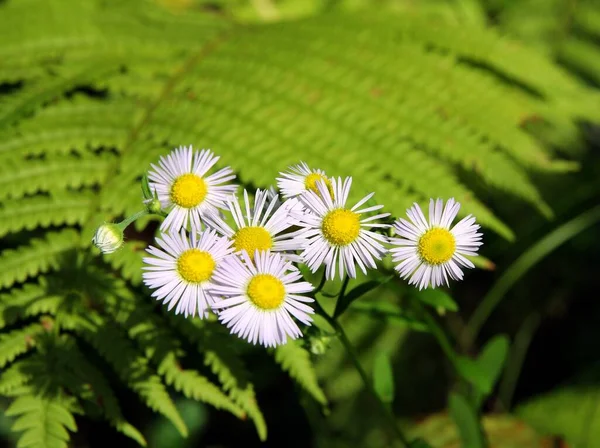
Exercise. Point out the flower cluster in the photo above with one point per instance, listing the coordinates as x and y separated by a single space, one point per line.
239 258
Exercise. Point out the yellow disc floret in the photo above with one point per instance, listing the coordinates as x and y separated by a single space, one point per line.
311 183
437 246
266 291
188 191
251 239
195 266
341 227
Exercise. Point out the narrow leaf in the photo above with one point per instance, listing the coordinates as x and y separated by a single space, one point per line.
383 378
467 421
344 302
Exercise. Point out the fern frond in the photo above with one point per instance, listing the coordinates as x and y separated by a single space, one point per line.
17 342
99 392
225 363
39 93
240 391
128 260
30 300
41 255
12 378
129 365
196 386
19 178
44 420
44 211
296 361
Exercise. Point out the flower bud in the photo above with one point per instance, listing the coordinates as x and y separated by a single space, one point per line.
108 238
153 205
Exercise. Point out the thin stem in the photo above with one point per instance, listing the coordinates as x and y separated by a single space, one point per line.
522 265
341 292
516 358
368 385
123 224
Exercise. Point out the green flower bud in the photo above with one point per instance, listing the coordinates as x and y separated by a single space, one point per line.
108 238
319 344
153 206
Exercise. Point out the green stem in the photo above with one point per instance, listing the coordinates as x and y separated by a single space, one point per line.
516 358
123 224
522 265
341 292
385 410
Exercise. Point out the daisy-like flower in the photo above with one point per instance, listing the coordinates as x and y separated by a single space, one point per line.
181 271
185 191
261 296
430 251
337 235
262 227
301 178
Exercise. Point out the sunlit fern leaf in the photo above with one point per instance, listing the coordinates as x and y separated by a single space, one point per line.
41 255
19 178
296 361
17 342
44 211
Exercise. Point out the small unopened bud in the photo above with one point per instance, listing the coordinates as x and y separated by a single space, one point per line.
153 206
108 238
319 344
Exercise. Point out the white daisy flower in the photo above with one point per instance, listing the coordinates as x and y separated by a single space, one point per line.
261 297
185 191
181 270
300 179
430 251
337 235
262 227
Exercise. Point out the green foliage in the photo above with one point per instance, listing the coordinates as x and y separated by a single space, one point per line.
296 361
466 420
383 378
93 92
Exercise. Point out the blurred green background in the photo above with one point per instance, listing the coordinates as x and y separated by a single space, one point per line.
494 102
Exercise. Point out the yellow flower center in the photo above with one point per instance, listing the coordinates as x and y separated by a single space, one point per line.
266 291
251 239
188 190
436 246
195 265
341 227
311 183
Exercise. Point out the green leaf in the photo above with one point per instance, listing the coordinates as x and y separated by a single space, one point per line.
391 313
484 371
419 443
437 299
467 421
383 377
357 292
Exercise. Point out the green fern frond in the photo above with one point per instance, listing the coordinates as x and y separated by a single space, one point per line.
296 361
30 300
44 420
41 255
128 260
20 178
240 391
132 368
13 377
43 211
17 342
99 392
194 385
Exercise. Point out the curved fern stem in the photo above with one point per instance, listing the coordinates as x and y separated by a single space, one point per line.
353 355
